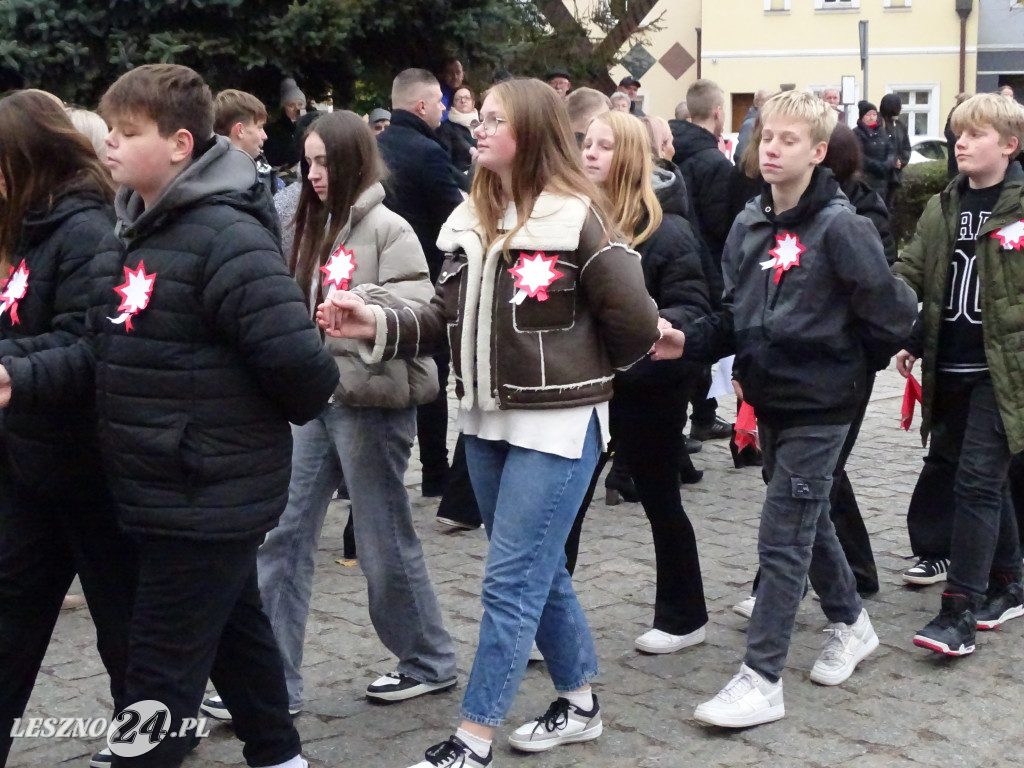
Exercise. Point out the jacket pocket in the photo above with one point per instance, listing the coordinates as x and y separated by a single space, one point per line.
556 313
450 286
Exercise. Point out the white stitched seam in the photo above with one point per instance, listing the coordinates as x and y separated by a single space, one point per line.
559 387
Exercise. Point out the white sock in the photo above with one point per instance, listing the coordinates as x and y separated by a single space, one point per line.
580 699
482 747
295 762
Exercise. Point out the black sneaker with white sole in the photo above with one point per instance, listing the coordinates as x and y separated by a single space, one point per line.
927 570
952 632
454 753
214 707
104 758
395 686
1004 601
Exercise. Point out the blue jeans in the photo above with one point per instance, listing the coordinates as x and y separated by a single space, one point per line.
797 540
373 446
528 501
984 523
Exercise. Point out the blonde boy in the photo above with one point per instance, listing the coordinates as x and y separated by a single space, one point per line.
965 265
240 116
809 303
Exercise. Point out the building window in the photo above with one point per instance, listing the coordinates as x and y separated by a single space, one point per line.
920 108
776 6
898 3
829 5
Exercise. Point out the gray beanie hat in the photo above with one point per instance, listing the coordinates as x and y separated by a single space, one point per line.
290 92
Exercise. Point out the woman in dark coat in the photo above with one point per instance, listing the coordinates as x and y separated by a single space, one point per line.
889 110
456 133
880 161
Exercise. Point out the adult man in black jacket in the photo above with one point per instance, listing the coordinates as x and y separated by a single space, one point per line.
707 173
422 190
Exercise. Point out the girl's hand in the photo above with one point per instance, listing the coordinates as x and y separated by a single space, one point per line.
670 345
345 315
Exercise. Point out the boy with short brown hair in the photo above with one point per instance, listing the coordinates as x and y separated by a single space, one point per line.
965 265
809 304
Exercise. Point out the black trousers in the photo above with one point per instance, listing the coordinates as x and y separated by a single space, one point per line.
432 426
47 535
197 617
459 502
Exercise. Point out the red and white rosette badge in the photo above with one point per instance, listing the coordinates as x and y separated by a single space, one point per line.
339 268
534 275
15 287
135 293
1011 237
786 254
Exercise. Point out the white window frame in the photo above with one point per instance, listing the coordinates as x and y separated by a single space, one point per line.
907 4
934 123
836 5
785 7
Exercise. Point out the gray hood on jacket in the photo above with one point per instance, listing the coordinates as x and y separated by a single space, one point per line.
220 170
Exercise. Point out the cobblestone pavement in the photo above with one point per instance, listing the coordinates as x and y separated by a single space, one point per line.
903 707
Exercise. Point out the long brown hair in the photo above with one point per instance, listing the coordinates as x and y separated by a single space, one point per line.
353 166
547 158
628 187
42 157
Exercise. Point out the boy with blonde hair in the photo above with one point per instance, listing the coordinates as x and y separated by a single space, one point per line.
965 265
809 307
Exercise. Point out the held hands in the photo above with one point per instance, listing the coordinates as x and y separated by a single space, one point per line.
345 315
905 363
670 345
5 387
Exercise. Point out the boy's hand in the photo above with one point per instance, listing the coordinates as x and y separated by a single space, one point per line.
5 387
905 363
345 316
670 345
738 389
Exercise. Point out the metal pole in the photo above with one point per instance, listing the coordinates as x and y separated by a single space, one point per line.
863 29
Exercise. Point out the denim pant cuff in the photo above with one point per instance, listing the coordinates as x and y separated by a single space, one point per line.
490 722
580 682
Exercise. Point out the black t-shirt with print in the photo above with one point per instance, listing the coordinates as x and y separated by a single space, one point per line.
961 344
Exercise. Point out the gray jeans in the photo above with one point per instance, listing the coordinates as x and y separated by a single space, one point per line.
797 540
373 446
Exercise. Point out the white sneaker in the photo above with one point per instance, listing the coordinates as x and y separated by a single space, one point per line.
454 753
563 723
747 700
656 641
846 647
745 607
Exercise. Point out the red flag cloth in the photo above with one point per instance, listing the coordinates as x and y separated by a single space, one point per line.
746 427
911 395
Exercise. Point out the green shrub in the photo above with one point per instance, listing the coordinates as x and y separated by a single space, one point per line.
920 182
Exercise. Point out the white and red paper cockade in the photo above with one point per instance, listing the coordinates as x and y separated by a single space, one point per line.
135 293
15 286
339 268
534 275
1011 237
786 254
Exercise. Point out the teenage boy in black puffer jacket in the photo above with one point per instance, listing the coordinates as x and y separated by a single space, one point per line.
202 351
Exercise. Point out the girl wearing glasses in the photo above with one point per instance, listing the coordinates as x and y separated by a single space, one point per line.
541 306
649 408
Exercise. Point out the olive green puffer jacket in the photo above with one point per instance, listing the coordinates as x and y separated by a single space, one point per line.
924 265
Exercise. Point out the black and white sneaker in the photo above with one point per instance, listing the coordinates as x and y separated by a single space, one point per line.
102 759
563 723
398 687
214 707
952 631
1002 603
454 753
927 570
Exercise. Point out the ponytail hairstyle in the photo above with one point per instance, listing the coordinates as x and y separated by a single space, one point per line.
628 187
42 158
547 159
353 166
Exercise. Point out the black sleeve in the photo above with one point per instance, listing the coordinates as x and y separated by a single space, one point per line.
438 188
678 285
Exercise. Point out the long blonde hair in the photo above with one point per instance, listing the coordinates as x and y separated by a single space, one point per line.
628 187
546 160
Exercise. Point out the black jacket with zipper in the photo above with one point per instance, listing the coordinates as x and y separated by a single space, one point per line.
804 344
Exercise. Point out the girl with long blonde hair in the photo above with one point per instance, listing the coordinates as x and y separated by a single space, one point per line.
648 411
541 309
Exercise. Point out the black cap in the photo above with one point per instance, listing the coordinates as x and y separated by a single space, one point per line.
627 81
556 72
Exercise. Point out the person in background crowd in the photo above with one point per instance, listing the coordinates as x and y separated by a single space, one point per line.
889 110
748 122
451 76
281 148
880 159
630 86
560 80
241 116
379 120
620 102
92 126
951 164
584 104
457 131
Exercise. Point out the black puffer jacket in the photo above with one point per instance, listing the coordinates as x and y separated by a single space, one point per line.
421 188
50 446
707 173
879 156
674 277
193 399
804 344
459 140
